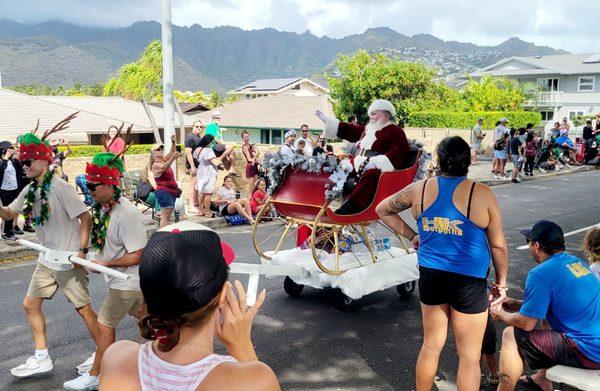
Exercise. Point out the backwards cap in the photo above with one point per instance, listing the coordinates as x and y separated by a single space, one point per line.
184 266
106 168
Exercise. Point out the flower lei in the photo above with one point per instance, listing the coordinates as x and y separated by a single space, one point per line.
44 205
101 221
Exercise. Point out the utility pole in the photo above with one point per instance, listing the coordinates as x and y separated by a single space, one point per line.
167 74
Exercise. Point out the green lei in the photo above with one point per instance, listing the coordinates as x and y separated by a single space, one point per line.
44 205
102 220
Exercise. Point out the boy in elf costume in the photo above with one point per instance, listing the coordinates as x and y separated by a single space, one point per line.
119 236
62 222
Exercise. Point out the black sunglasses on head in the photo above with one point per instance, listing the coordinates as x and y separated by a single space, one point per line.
26 162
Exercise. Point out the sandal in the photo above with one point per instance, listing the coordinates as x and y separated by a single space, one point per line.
529 383
208 215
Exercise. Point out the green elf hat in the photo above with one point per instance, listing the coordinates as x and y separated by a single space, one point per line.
33 148
106 168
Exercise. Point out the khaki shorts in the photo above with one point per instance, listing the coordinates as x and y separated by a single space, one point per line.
73 283
117 304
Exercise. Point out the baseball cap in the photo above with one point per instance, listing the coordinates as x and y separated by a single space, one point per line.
547 233
216 114
503 119
184 266
290 132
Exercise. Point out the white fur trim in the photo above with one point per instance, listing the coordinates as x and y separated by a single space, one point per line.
330 128
382 162
346 166
370 134
358 161
382 104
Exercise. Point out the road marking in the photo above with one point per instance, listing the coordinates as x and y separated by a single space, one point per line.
568 234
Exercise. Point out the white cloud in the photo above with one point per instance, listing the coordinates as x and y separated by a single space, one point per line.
569 25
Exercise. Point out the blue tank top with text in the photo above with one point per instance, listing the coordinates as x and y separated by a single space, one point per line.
448 240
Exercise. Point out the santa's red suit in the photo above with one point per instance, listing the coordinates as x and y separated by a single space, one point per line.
384 145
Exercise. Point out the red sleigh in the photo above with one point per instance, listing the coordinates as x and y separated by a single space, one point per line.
301 200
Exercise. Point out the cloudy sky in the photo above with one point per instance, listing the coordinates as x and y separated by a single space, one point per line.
572 25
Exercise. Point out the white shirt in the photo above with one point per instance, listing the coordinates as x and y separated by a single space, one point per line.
9 181
499 131
286 150
126 233
61 230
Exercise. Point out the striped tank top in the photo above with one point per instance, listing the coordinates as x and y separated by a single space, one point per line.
158 375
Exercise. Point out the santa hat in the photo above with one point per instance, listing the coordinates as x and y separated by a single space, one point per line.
33 148
382 104
105 168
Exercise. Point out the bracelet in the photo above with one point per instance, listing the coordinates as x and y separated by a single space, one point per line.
499 287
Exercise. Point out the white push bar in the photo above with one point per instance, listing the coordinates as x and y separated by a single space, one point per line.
255 270
80 261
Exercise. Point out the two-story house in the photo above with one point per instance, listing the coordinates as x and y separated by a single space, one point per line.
570 82
296 86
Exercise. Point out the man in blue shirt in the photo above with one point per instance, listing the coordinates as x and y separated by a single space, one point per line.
564 292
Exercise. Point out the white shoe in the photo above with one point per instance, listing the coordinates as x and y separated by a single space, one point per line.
84 382
506 178
496 176
542 170
33 367
86 366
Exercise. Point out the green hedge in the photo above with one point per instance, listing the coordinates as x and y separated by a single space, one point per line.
466 120
91 150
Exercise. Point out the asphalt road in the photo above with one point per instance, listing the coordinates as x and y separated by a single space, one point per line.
310 344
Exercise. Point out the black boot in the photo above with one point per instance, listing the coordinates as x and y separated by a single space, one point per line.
348 208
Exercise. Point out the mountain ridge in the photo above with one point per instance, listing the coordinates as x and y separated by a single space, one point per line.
220 58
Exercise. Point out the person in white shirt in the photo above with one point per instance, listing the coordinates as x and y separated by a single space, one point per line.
119 235
501 132
288 149
309 142
62 222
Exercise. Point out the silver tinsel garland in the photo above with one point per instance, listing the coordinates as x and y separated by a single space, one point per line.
276 163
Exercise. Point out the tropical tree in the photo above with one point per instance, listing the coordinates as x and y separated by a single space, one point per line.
141 79
364 78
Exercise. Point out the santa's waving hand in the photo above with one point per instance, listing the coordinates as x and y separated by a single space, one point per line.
381 146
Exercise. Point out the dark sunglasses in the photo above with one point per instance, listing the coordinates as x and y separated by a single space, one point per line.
92 186
26 162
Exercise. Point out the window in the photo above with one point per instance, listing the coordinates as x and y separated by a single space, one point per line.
296 87
276 137
547 115
586 83
548 84
265 136
574 113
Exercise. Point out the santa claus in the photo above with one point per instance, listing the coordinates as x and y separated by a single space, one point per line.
381 146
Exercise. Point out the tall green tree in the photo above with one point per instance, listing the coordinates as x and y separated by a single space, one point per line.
408 85
412 87
141 79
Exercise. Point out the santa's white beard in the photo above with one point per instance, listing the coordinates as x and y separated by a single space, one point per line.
370 129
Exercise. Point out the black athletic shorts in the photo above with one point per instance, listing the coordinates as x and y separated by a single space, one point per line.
542 349
463 293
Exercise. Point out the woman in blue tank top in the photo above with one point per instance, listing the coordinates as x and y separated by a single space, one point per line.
459 234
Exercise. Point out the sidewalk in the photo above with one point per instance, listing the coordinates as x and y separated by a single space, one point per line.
482 173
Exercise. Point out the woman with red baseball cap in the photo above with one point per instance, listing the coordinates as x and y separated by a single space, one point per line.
183 276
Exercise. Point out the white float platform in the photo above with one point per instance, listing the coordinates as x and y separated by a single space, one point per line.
393 267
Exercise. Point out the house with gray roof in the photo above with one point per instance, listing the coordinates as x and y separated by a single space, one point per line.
267 118
20 113
570 82
295 86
